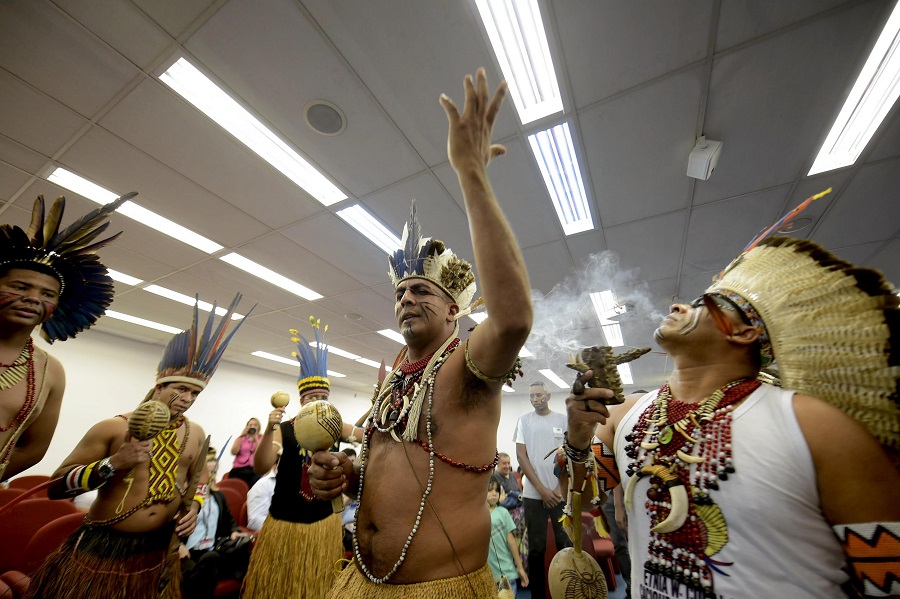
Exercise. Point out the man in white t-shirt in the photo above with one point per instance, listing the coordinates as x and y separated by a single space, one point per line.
538 434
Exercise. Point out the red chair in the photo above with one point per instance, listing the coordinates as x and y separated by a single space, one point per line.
7 495
235 483
48 539
21 523
234 500
242 517
29 481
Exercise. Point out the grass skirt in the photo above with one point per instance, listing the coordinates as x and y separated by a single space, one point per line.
352 584
292 560
97 561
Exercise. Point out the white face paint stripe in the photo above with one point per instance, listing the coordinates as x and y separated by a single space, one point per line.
692 324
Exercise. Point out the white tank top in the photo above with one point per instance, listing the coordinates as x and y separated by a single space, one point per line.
779 543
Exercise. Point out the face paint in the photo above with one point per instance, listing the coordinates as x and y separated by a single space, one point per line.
7 299
692 323
49 309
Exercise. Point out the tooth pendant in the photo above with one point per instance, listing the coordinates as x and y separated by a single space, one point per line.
649 446
688 458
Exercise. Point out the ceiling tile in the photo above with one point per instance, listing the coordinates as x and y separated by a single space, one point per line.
179 136
122 25
19 157
11 180
584 245
718 232
547 264
887 138
773 120
612 46
65 62
865 210
32 118
519 190
887 260
743 20
120 167
379 153
654 260
378 310
408 84
333 240
637 149
175 15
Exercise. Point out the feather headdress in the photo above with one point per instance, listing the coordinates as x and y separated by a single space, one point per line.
85 287
427 258
313 359
834 328
192 356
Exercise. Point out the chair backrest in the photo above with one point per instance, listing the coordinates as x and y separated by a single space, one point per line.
7 495
234 500
234 483
19 525
242 518
28 481
48 538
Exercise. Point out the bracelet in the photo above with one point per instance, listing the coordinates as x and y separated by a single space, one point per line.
200 499
577 456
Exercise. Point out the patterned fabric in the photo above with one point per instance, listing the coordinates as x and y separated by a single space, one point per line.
873 554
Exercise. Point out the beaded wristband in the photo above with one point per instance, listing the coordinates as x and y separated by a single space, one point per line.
508 378
578 456
200 499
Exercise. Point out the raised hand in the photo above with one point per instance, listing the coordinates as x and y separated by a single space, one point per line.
469 138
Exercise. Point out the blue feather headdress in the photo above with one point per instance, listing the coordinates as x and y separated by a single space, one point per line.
85 287
192 356
313 360
429 259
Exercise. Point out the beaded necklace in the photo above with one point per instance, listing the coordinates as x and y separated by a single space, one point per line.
399 402
662 446
428 375
13 376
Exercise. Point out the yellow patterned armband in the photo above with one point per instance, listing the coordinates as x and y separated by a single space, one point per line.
508 378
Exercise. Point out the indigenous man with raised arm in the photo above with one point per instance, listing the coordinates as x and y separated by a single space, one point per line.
423 526
52 279
735 487
125 547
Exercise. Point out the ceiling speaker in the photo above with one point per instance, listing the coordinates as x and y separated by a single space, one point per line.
324 117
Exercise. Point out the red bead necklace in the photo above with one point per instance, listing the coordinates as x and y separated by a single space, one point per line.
30 395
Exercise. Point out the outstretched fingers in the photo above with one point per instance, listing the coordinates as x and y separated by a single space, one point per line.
450 109
496 103
471 103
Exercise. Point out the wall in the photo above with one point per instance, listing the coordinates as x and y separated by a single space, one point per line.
108 375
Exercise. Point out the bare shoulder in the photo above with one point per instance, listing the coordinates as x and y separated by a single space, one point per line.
823 423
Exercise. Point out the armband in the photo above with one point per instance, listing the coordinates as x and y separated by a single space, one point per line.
77 480
508 378
873 556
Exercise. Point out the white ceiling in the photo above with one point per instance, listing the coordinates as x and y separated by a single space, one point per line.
79 89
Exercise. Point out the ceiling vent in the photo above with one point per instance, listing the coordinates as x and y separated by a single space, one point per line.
324 117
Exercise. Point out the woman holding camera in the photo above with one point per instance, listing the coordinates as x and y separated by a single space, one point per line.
244 449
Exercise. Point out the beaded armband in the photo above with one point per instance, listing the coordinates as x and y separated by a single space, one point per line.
872 555
508 378
77 480
577 456
200 499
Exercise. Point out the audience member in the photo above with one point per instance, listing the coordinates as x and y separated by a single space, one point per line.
244 450
503 554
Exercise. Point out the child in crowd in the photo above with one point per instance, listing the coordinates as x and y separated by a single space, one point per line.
503 554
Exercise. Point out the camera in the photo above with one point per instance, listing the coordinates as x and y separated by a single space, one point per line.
251 430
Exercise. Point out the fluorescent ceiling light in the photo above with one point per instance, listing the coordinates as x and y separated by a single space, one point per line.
478 316
508 388
121 277
336 351
189 301
524 353
143 322
553 378
185 79
360 219
393 335
605 306
555 154
874 93
94 192
625 374
270 276
517 35
613 335
369 362
290 362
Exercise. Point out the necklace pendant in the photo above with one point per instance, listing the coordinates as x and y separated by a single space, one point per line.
666 435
